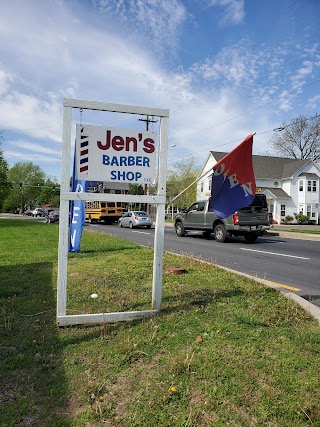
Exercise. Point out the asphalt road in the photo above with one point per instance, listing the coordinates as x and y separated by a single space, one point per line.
285 261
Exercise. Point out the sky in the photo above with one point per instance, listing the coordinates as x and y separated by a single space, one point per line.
223 68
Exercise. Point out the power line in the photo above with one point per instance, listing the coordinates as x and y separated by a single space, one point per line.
239 140
248 111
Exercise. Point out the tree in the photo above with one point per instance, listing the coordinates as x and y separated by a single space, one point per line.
136 189
26 181
183 173
50 193
4 181
300 139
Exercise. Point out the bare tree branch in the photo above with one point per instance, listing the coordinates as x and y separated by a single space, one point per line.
299 139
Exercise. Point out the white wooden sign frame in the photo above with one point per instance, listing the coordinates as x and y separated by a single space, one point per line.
64 319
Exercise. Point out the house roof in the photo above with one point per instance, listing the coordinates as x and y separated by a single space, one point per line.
278 193
308 175
266 167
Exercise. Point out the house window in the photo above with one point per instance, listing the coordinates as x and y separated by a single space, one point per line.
210 182
283 210
201 186
309 211
300 184
312 186
301 209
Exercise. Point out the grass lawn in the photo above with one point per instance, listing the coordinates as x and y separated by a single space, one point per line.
296 230
224 350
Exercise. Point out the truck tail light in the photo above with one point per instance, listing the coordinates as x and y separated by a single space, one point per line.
235 218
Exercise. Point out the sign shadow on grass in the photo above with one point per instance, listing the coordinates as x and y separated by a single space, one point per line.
34 387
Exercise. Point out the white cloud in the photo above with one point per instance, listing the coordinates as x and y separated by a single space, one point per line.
159 20
236 65
31 115
35 148
15 156
5 80
234 10
299 79
314 102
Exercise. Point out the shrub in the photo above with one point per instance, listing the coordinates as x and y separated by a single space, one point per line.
288 219
302 219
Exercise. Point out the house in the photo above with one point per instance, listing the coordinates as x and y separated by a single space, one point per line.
291 186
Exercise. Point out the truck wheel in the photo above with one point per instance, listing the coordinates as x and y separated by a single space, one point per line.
130 225
220 233
180 229
251 237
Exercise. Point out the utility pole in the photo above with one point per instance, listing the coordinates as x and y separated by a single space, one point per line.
147 120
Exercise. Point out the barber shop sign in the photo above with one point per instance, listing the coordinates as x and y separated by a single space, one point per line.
118 155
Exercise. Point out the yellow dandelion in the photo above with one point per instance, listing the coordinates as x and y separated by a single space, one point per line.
101 398
173 389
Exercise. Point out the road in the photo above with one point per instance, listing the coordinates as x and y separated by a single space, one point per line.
292 262
285 261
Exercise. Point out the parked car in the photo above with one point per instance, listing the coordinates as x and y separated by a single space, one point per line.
135 219
27 213
38 212
52 217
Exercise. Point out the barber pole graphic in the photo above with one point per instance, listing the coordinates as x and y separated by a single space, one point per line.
84 155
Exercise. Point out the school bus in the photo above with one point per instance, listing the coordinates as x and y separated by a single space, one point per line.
103 211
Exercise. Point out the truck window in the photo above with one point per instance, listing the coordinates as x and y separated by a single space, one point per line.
193 207
259 202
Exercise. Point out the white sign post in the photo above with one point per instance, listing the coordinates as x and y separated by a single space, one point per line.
119 155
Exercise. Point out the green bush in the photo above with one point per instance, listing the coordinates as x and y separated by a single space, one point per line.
300 218
288 219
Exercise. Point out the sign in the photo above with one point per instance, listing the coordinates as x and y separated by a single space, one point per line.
115 155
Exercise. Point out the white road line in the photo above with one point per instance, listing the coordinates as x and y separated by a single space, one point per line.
274 253
141 232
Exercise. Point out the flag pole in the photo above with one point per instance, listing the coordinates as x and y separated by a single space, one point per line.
187 188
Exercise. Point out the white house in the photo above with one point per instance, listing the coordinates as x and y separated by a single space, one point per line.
290 185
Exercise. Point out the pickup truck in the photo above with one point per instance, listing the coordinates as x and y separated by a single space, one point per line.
249 222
